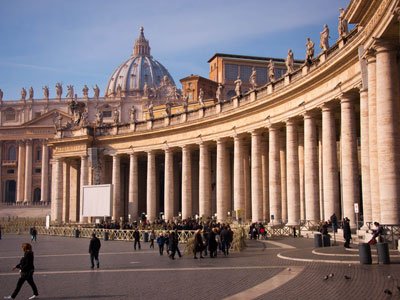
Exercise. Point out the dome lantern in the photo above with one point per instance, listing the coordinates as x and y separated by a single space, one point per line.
141 46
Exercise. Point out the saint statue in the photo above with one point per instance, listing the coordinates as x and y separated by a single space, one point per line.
168 106
96 91
132 114
324 38
238 87
185 103
70 93
253 79
218 94
289 62
31 93
309 51
23 94
201 97
271 71
85 91
59 90
46 92
116 115
1 95
151 110
85 118
99 118
343 27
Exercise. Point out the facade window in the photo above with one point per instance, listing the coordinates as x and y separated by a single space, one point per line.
107 114
38 170
9 114
38 154
261 75
10 171
38 114
12 153
231 71
245 72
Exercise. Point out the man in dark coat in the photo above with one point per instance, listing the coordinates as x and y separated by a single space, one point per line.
212 243
346 232
94 249
136 238
198 244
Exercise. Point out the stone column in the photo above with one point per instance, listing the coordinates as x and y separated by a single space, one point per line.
301 173
57 188
169 185
28 172
282 155
274 174
265 178
222 180
1 180
133 206
349 161
311 177
84 180
204 182
116 181
73 214
372 136
66 190
388 134
320 173
21 172
293 179
365 166
329 160
187 205
246 181
151 186
256 178
45 174
238 180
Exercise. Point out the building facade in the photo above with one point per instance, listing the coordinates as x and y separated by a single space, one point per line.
322 139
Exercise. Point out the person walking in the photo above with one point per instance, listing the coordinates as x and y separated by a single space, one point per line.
152 237
160 243
136 238
94 249
198 244
346 232
33 233
26 268
172 244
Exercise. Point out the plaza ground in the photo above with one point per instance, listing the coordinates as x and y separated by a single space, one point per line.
287 268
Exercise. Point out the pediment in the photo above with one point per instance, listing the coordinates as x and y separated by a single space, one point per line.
48 118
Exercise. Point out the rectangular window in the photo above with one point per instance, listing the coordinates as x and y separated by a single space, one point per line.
231 71
10 171
261 76
107 114
245 72
38 170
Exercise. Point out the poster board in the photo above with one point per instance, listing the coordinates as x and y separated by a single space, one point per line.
96 200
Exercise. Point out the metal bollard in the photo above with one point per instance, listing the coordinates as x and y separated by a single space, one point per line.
383 253
317 240
364 252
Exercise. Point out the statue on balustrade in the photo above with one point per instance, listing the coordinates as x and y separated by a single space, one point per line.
185 103
85 118
85 91
324 38
96 91
219 93
59 90
201 97
31 93
253 79
116 115
99 118
23 94
238 87
343 27
70 92
132 114
150 109
309 51
168 108
1 95
271 71
289 62
45 92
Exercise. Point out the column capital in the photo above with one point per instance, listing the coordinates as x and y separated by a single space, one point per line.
345 98
370 55
309 114
383 45
292 121
328 106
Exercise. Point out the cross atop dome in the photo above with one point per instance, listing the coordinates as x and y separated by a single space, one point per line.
141 47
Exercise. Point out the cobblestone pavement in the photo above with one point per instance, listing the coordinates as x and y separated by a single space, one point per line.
284 268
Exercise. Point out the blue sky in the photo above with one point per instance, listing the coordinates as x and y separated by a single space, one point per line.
43 42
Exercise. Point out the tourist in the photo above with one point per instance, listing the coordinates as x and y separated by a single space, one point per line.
94 248
33 233
198 245
136 239
160 243
176 237
26 268
346 232
377 233
334 222
152 237
172 245
212 243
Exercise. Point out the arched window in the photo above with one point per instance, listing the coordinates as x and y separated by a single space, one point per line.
12 153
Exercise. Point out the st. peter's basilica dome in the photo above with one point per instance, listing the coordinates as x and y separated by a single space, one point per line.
141 68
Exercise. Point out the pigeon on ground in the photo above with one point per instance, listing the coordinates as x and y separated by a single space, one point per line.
387 291
331 275
347 277
326 277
